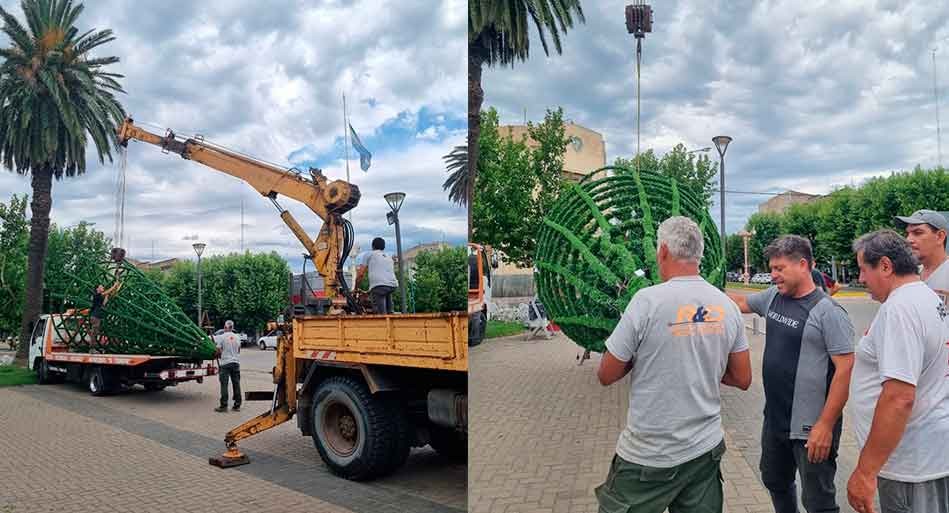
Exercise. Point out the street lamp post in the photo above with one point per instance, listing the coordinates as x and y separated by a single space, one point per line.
745 235
721 144
395 199
199 248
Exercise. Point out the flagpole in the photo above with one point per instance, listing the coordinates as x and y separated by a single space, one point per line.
346 145
346 136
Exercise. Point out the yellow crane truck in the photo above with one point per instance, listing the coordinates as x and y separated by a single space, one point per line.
367 388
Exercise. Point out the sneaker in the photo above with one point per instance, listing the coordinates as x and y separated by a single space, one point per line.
221 409
236 407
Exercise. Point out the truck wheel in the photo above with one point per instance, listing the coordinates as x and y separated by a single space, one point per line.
42 372
476 328
101 381
359 436
449 443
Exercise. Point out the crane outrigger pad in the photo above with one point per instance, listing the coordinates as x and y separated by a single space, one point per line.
231 458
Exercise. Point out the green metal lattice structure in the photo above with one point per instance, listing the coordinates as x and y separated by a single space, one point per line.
138 319
597 248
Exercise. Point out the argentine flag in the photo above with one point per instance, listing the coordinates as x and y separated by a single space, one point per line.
365 158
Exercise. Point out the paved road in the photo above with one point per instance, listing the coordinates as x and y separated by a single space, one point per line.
543 429
63 450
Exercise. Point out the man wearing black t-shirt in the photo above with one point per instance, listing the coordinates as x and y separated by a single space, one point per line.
806 366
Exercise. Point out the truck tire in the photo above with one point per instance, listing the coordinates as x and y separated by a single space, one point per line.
477 324
101 381
43 376
449 443
358 435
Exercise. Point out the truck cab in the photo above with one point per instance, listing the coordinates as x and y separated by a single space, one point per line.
481 264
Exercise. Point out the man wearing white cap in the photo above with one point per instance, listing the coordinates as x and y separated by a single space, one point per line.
926 233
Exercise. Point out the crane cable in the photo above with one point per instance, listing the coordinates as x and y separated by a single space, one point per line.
118 197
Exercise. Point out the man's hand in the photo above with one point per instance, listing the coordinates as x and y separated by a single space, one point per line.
819 441
861 489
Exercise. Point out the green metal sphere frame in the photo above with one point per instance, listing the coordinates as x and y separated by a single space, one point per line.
597 248
138 319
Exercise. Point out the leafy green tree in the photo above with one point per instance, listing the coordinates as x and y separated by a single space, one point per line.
519 180
441 280
767 227
68 249
14 234
695 173
55 97
499 34
735 254
249 289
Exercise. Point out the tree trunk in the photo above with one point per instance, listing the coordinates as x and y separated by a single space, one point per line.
39 237
475 98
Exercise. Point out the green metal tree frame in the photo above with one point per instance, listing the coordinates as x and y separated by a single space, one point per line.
597 248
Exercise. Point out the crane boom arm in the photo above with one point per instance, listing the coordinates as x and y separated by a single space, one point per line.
327 199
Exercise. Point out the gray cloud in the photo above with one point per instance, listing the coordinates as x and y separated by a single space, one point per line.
267 81
815 95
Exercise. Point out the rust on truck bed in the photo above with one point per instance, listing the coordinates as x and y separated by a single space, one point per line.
430 341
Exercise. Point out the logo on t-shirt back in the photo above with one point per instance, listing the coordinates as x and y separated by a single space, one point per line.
698 320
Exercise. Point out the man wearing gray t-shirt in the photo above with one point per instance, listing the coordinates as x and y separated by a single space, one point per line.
900 386
678 341
808 356
926 233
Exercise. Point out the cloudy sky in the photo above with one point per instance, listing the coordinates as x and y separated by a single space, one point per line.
815 94
267 81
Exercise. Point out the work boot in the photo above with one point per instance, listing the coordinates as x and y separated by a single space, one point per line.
236 407
221 409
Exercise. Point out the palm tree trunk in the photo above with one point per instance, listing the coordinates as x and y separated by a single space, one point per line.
39 237
475 99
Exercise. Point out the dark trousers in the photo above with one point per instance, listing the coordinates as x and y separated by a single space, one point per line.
232 372
692 487
382 299
782 458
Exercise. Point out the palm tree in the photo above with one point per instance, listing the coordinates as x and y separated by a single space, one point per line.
54 97
456 163
498 34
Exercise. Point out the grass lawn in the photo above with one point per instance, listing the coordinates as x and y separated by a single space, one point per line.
760 286
503 329
11 375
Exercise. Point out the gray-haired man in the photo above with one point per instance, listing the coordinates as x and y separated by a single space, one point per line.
900 386
229 349
808 356
670 453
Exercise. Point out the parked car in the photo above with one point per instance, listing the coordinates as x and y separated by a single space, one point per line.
243 336
733 276
762 278
269 341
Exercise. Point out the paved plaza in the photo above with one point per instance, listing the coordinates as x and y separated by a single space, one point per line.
544 430
64 450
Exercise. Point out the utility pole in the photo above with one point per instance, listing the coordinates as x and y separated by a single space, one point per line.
936 96
242 224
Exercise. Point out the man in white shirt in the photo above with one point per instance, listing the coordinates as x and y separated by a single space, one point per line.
229 368
926 232
900 386
382 281
679 340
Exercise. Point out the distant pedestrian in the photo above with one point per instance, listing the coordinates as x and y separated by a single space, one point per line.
824 282
679 341
382 280
926 233
808 357
229 368
100 298
900 386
